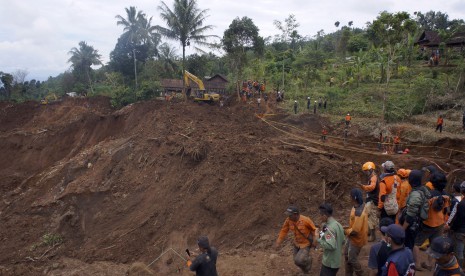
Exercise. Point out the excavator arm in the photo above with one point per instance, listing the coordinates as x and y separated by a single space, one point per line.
192 77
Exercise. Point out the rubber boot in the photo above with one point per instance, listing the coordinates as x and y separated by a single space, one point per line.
372 235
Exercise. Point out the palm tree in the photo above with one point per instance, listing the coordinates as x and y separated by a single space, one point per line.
82 59
138 30
185 24
167 57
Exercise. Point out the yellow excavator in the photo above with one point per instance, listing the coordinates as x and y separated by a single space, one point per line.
202 95
49 98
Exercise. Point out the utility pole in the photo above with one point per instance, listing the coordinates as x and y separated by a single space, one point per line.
135 71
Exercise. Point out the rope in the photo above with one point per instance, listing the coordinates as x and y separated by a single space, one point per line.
166 251
334 137
368 142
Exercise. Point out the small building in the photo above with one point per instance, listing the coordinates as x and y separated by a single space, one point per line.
428 39
216 84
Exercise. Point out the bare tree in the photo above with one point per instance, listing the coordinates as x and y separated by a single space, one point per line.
19 76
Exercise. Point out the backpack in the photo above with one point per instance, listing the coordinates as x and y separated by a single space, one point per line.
390 203
424 208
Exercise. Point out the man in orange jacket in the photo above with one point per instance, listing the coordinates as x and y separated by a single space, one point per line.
439 124
357 234
372 196
348 118
304 235
389 180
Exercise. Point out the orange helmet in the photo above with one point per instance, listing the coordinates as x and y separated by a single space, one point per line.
368 166
404 173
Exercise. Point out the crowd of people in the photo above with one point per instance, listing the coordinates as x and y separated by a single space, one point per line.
410 208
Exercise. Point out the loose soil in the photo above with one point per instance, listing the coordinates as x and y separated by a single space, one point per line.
90 190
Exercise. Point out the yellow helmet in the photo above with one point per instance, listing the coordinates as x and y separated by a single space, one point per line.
368 166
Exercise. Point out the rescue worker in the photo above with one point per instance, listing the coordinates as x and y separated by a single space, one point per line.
314 107
439 124
405 188
324 132
442 250
308 103
347 119
295 107
428 172
396 144
357 234
379 251
389 180
372 197
433 226
400 259
304 233
456 226
205 263
331 239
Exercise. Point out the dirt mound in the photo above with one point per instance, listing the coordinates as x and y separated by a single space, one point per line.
86 183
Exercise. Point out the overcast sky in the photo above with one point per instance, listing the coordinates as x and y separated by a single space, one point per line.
36 35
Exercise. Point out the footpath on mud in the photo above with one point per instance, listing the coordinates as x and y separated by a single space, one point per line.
89 190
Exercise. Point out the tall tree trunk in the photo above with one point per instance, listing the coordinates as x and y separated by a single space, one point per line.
90 82
183 71
135 72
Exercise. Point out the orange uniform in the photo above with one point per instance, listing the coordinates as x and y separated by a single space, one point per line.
358 227
372 185
402 193
385 187
440 121
348 118
303 224
436 218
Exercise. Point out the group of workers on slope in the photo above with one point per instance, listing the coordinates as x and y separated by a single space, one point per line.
321 103
409 207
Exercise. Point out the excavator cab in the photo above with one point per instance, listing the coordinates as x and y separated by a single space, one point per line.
200 95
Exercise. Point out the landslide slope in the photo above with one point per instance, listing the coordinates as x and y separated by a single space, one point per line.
121 186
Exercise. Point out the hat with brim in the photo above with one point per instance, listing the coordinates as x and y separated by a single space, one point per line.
434 254
291 210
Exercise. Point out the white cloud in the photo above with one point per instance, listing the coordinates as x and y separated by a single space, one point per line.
37 35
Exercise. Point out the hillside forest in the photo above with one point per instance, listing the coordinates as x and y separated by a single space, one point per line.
379 71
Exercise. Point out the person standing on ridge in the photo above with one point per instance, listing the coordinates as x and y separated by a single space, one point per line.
295 107
331 239
308 103
304 233
439 124
314 108
372 198
347 119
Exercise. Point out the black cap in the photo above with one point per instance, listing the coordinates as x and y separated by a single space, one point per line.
326 208
291 210
414 178
386 221
440 246
203 242
395 231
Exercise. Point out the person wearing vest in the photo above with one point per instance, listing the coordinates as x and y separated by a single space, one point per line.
405 188
357 234
304 233
433 226
442 250
348 118
400 259
456 225
331 239
439 124
389 180
379 251
372 196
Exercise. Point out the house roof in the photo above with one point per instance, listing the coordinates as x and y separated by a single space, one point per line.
218 75
430 38
458 38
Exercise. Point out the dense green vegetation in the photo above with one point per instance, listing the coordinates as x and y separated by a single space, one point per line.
376 71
